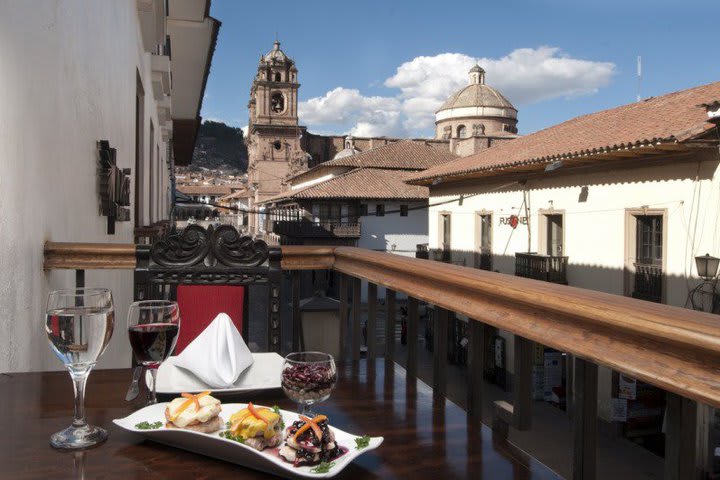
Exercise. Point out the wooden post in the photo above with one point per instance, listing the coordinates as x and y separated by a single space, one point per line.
412 337
343 294
372 321
680 438
522 383
476 367
389 325
298 343
356 327
585 420
440 348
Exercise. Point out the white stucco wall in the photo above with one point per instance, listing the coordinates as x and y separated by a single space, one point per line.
595 229
67 79
393 233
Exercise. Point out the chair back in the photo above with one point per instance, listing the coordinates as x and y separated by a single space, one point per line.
180 261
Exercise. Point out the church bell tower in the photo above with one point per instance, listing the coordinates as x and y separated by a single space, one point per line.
273 138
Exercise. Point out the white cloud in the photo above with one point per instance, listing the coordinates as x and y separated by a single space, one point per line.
524 76
349 111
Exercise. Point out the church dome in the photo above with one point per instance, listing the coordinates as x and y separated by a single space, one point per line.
275 55
349 149
476 110
477 95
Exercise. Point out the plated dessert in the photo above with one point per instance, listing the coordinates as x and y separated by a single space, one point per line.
308 383
200 412
309 441
258 427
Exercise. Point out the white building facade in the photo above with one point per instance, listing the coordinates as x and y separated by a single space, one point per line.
71 74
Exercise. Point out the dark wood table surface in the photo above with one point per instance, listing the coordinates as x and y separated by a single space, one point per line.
426 436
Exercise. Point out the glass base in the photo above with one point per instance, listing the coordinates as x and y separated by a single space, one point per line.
73 438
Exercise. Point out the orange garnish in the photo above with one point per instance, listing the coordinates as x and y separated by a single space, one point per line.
190 400
311 423
254 413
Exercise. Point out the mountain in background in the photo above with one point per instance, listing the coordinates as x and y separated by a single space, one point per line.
220 146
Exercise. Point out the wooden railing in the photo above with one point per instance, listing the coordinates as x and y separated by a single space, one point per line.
669 347
548 268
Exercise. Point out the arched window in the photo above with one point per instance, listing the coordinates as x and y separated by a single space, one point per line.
277 102
461 131
277 77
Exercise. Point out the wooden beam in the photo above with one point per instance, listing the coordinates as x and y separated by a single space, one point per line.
412 337
356 322
440 351
389 325
680 438
585 420
522 383
372 321
343 294
300 257
298 342
89 256
476 368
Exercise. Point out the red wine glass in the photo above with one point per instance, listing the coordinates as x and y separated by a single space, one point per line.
153 327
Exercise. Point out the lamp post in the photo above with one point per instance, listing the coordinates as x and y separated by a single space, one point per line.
707 268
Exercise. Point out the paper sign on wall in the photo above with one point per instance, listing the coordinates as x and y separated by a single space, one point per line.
618 410
627 387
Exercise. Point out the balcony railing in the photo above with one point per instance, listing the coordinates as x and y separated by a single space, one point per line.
541 267
316 229
648 282
668 347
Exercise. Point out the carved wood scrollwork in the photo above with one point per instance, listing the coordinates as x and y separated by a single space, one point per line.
197 247
184 249
233 250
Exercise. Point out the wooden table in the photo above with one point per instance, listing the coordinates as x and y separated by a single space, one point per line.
426 437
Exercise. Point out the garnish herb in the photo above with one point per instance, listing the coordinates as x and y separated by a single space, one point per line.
231 436
148 426
276 409
323 467
362 442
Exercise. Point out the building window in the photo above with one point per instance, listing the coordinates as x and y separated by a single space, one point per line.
483 241
277 77
380 210
403 210
363 209
645 245
554 235
445 236
461 131
277 144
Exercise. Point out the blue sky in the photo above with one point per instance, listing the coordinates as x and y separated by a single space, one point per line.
383 67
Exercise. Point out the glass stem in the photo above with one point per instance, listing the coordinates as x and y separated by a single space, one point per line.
153 392
79 381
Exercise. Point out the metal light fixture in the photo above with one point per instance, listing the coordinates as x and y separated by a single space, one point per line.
707 266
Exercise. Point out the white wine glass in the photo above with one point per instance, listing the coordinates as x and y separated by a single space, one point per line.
79 323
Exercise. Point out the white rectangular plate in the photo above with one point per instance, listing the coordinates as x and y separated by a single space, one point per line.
263 374
213 445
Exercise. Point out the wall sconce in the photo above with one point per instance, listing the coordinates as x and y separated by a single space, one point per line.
707 266
704 297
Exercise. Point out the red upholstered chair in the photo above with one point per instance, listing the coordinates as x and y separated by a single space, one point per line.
200 304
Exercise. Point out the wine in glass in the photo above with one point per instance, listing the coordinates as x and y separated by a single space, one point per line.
153 327
79 323
308 378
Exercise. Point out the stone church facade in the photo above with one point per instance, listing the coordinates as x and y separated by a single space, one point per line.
473 119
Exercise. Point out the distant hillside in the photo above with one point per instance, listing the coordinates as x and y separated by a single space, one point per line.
220 146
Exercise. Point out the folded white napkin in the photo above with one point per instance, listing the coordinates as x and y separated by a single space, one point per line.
218 355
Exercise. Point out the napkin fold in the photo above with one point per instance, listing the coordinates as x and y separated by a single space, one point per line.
218 355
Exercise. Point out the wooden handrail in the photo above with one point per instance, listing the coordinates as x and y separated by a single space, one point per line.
674 348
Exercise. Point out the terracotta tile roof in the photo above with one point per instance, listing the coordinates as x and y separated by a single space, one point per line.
404 155
675 117
361 183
